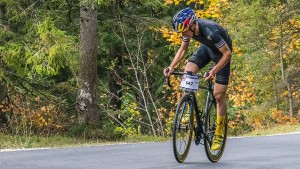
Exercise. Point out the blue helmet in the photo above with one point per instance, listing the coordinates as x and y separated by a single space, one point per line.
183 19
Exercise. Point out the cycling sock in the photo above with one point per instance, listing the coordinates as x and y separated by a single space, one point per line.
220 122
218 133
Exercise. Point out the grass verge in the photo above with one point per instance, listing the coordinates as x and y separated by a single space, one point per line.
275 130
15 142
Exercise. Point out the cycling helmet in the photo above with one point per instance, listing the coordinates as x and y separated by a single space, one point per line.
182 19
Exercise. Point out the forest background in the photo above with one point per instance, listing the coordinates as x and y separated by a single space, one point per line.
93 69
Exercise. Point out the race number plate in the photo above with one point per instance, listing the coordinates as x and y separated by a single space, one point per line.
190 83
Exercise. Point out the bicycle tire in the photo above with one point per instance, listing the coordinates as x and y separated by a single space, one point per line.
185 105
210 121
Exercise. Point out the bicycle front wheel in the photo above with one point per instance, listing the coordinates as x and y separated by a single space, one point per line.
210 127
183 128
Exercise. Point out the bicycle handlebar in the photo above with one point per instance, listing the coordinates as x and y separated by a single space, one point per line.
194 74
183 73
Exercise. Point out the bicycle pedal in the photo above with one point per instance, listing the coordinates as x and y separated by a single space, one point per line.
197 140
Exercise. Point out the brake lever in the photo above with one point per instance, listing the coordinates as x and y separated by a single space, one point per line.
168 77
206 74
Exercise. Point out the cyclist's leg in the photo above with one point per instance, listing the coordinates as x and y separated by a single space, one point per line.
220 89
198 60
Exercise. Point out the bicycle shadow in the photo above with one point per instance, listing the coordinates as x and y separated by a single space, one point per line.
206 165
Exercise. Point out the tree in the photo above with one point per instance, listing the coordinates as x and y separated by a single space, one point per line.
87 97
284 43
37 50
263 38
288 41
114 82
114 60
129 42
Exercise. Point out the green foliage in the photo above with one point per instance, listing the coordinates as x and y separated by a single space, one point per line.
251 24
91 3
103 2
76 130
36 51
108 131
112 131
14 56
39 58
55 50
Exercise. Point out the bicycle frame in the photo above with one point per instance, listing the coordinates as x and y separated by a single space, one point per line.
209 98
205 126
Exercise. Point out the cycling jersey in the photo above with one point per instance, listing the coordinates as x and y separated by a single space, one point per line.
211 35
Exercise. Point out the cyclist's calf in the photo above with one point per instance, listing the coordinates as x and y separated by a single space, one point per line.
220 95
220 92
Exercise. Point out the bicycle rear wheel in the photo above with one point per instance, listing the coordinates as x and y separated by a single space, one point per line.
210 127
183 128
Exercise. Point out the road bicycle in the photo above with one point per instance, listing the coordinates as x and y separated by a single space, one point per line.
190 119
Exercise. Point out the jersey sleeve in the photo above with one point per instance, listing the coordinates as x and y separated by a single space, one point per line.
216 39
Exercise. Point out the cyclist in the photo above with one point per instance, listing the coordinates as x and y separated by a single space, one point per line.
215 46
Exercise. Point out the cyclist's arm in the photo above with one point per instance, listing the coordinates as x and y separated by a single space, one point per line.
179 55
225 58
219 42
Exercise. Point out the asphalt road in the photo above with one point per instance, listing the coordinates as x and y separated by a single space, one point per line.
271 152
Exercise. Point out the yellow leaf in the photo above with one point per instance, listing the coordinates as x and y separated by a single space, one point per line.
43 109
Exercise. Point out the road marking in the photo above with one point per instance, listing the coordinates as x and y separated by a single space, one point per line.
56 148
23 149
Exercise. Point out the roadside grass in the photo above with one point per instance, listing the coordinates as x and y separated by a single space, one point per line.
14 142
17 142
144 138
275 130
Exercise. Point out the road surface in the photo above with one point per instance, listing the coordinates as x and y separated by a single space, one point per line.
269 152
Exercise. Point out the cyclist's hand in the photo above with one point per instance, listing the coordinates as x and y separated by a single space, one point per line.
168 71
210 75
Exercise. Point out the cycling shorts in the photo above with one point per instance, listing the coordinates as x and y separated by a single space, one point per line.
203 55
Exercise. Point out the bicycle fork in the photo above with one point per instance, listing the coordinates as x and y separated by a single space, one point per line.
209 103
199 131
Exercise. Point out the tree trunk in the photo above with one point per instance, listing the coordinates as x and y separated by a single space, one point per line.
285 81
276 94
291 104
114 77
115 88
141 94
87 99
3 103
141 105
